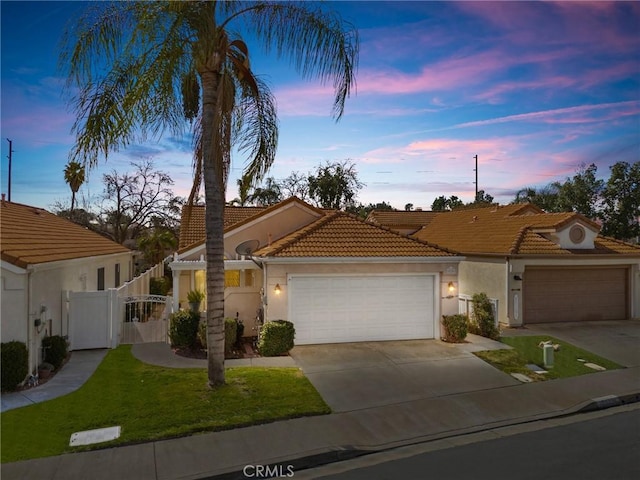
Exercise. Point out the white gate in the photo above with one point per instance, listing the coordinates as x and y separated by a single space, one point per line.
91 319
145 318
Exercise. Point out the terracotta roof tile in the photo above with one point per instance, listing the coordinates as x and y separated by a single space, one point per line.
31 235
342 235
194 231
512 229
398 219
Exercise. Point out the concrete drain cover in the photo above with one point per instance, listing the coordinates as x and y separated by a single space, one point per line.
89 437
595 366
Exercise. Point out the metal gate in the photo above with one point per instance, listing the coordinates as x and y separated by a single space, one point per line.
145 318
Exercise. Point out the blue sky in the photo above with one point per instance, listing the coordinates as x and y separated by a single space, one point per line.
534 89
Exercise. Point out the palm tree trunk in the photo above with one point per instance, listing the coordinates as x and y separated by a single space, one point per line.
73 201
214 247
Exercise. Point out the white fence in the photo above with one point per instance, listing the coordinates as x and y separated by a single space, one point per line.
465 306
127 314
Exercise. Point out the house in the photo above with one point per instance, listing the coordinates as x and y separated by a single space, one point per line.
43 257
337 278
540 267
403 221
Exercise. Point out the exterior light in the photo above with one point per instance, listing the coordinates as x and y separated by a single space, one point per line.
451 287
277 289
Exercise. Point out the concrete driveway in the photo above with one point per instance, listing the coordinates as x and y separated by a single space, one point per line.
356 376
615 340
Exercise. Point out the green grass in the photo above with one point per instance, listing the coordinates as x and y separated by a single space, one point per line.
151 403
526 350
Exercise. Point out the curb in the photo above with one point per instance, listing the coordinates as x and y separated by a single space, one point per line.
348 452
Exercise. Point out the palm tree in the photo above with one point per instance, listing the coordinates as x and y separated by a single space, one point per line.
267 194
170 60
74 176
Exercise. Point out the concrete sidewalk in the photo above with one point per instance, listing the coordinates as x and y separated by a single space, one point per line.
309 441
72 376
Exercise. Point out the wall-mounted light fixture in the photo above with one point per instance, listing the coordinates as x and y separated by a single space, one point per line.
517 277
451 287
277 289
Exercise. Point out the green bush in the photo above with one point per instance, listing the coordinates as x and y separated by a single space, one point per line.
14 366
230 333
183 328
483 321
231 328
55 349
455 327
159 286
276 338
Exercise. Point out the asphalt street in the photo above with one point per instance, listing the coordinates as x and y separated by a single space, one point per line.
602 448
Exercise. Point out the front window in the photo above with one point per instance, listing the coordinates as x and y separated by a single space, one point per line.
231 278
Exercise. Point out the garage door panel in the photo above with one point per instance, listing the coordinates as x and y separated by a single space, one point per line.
361 308
575 294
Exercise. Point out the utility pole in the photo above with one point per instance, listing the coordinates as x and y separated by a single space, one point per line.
476 170
9 176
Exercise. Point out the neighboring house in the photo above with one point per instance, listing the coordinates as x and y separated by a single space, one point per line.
540 267
405 222
337 278
43 257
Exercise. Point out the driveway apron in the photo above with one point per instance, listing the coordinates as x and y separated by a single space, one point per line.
356 376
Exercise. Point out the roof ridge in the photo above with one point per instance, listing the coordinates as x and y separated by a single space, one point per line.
515 246
409 237
302 232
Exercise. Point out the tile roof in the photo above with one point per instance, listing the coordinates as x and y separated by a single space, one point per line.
195 234
397 219
340 234
194 231
31 235
510 230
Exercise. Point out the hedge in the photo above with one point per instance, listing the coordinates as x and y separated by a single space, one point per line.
276 338
15 365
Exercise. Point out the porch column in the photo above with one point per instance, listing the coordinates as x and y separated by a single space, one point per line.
176 289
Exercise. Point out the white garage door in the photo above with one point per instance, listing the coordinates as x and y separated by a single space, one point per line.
346 308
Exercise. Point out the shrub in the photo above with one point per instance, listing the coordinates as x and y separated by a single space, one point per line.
159 286
483 321
14 366
276 338
231 329
183 328
55 349
230 333
195 296
455 327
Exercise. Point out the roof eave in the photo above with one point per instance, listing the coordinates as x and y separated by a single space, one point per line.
412 259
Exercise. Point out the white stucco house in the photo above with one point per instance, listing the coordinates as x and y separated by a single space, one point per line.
540 267
336 277
43 258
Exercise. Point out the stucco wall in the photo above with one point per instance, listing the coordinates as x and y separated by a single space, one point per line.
14 306
277 304
44 290
269 228
485 276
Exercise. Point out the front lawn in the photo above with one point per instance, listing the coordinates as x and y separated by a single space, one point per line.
151 403
526 350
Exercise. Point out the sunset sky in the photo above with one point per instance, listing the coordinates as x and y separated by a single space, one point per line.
534 89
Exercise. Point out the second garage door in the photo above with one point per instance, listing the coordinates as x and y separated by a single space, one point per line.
575 294
350 308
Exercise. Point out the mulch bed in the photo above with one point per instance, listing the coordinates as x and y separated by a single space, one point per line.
244 350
